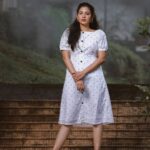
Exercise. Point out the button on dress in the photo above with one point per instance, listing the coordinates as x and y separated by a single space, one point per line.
93 106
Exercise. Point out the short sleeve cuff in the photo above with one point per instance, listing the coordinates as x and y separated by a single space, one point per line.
64 45
102 43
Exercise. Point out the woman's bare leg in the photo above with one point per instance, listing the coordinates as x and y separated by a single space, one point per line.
97 136
61 136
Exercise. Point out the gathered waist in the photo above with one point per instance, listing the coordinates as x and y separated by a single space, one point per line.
83 56
84 59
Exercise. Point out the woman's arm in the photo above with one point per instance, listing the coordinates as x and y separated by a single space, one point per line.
67 61
69 65
100 60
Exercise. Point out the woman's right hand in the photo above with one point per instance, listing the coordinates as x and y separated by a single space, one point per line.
80 85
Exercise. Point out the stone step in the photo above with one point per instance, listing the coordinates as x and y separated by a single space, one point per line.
55 125
8 133
74 129
56 103
51 111
32 124
46 118
75 141
76 147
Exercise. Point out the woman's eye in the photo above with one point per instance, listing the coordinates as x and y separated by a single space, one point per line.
80 13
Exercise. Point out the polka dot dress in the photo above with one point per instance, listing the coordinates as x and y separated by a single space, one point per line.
93 106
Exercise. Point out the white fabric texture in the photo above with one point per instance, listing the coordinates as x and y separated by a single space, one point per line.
93 106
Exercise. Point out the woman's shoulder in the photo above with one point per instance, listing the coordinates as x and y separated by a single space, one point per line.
66 30
100 32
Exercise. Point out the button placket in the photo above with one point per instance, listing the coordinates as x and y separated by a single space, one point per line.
82 40
82 105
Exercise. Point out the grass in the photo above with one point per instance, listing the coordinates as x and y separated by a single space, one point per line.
19 65
25 66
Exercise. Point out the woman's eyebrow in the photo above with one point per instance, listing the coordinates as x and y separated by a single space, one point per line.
84 11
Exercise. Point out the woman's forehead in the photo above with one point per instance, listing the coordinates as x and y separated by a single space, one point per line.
84 9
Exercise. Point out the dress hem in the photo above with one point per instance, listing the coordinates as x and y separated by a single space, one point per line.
84 124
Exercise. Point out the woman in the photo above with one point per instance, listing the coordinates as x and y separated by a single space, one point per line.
85 99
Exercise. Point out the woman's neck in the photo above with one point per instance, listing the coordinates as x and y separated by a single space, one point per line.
85 28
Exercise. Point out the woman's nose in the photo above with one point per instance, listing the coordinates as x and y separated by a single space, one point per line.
83 15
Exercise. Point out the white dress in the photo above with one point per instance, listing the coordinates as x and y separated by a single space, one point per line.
93 106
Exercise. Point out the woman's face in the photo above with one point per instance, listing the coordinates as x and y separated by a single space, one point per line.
84 16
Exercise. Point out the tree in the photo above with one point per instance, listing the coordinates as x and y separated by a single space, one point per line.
144 26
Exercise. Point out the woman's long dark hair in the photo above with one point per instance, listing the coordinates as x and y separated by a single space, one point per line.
74 28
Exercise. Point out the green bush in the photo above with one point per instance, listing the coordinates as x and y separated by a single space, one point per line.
124 66
25 66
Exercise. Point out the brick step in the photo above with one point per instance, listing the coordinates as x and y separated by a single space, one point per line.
56 103
75 129
75 141
76 147
42 118
55 125
5 133
51 111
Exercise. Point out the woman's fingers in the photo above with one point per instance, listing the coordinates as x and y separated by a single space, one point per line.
80 75
74 77
80 86
77 76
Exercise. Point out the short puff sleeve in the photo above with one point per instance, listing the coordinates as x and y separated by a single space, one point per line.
102 42
64 45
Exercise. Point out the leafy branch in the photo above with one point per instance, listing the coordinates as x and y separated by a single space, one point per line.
144 26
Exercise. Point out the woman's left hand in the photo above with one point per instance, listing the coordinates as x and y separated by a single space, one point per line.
79 75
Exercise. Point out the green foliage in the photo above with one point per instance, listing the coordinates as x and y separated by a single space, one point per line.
4 26
38 29
20 65
124 66
53 20
25 66
144 26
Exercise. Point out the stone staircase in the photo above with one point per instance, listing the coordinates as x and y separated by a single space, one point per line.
32 125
